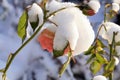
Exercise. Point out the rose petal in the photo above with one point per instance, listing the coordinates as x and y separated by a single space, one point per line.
46 38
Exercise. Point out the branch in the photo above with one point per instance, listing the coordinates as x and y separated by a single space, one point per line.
13 55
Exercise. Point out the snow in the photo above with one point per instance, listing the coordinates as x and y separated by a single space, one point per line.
7 7
35 12
115 7
94 4
70 29
32 62
116 61
116 1
108 35
99 77
10 43
98 17
59 5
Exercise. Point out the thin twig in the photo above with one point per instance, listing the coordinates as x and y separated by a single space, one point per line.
52 22
111 52
21 47
98 33
53 13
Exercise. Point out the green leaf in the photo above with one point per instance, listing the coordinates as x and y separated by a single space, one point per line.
89 50
95 67
64 66
91 58
85 8
101 59
100 43
112 14
34 25
99 49
110 66
107 74
57 53
117 43
22 25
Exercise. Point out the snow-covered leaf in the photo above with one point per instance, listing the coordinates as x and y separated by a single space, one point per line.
22 25
34 25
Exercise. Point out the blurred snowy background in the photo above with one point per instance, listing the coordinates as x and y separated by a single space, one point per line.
32 63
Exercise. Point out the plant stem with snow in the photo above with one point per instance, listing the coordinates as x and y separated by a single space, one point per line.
112 46
13 55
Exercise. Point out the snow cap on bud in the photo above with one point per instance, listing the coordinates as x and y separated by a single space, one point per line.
35 14
99 77
95 5
108 35
115 7
116 61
